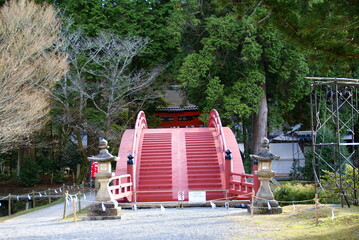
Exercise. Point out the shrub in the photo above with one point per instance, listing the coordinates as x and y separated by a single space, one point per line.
5 177
47 165
330 182
29 174
59 177
294 192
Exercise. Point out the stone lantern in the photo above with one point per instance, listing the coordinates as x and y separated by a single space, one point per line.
106 207
265 202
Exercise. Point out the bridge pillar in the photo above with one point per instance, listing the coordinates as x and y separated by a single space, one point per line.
256 181
131 171
228 168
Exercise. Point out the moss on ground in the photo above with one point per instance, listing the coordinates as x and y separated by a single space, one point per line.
299 223
344 225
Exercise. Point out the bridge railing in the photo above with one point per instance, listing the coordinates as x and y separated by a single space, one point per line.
121 187
215 122
141 123
238 184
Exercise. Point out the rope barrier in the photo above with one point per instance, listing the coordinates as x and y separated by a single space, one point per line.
213 200
76 197
73 198
55 190
309 200
4 198
162 191
31 196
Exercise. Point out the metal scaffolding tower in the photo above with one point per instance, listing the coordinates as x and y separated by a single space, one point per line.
335 134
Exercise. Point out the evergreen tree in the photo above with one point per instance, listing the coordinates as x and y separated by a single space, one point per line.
155 20
241 68
329 26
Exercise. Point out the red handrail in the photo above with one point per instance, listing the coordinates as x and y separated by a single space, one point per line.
242 175
240 186
141 123
215 122
121 187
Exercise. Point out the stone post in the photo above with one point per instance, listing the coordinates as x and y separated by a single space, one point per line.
265 202
105 207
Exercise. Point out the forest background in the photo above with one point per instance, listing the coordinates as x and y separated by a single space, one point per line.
247 59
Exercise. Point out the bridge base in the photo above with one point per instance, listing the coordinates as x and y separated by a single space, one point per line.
177 204
266 207
103 211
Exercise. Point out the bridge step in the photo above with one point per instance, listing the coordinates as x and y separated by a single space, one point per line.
147 177
203 175
156 166
202 164
203 186
200 180
202 171
155 170
154 197
155 186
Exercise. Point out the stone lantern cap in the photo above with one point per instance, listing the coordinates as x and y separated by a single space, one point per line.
264 154
104 155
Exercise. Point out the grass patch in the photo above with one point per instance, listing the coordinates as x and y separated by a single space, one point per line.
345 224
2 219
79 215
299 223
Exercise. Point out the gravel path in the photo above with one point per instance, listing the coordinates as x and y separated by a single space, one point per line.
187 223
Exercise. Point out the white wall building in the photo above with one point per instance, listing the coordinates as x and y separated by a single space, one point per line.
290 156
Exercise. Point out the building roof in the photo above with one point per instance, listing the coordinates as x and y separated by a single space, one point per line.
176 109
176 102
285 151
285 138
176 99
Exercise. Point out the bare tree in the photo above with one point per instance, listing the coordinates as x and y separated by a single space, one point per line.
29 62
113 57
102 77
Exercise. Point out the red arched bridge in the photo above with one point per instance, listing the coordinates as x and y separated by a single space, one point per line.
156 164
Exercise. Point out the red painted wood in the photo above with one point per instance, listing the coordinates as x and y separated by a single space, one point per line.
237 164
175 119
257 183
179 159
155 169
124 150
202 160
